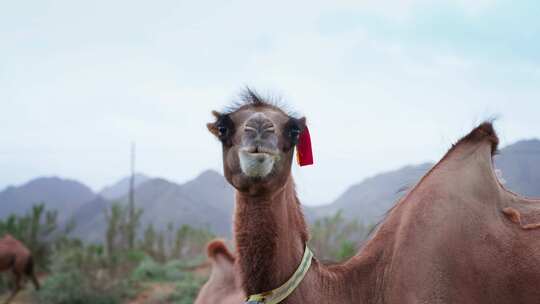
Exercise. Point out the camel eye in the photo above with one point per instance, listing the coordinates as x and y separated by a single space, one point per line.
293 129
222 131
295 132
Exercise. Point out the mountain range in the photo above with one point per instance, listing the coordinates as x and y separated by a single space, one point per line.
64 195
208 200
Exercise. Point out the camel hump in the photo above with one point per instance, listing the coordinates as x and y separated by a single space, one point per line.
473 153
223 285
482 133
222 261
217 248
467 168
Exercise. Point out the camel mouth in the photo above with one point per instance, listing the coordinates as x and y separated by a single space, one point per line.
257 162
258 151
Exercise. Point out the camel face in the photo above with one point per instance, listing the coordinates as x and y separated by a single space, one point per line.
259 151
258 141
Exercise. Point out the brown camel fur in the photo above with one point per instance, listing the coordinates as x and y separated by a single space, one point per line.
457 237
223 286
16 257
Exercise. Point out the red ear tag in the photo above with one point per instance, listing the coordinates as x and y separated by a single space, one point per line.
304 155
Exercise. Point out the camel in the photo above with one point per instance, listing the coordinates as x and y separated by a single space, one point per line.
16 257
458 236
223 285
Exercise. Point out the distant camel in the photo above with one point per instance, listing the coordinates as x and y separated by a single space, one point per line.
223 286
457 237
16 257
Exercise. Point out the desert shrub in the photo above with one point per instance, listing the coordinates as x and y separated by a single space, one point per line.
189 242
122 224
75 287
82 274
346 250
111 272
150 270
335 238
135 256
174 271
71 287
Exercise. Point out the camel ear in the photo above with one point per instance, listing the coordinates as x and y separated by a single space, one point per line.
212 125
302 123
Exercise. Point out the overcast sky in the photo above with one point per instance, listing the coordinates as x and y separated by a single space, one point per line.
382 83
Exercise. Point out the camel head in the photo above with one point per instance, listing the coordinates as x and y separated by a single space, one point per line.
258 140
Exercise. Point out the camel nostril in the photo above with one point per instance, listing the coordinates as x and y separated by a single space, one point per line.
250 129
257 129
270 129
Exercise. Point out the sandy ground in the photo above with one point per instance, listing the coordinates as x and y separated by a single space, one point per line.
154 293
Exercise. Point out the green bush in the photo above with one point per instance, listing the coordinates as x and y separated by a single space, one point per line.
71 288
346 250
135 256
81 275
334 238
149 270
174 273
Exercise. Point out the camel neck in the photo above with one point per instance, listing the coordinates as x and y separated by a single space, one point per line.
270 235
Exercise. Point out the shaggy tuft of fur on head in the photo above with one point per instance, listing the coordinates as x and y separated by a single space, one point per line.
251 98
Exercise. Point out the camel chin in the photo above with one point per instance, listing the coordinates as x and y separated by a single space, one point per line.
256 164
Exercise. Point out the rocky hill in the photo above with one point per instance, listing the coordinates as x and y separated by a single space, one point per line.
64 195
208 200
